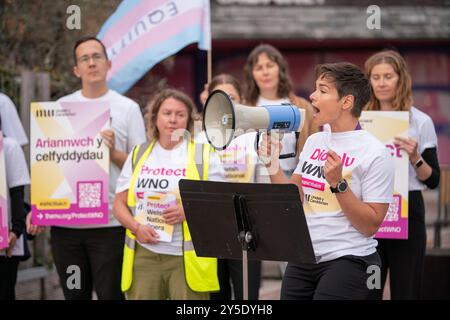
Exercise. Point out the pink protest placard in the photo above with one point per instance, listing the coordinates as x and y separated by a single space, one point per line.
69 163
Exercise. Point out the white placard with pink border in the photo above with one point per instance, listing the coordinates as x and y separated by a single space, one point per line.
386 125
69 163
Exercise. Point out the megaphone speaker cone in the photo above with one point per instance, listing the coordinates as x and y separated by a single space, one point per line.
219 119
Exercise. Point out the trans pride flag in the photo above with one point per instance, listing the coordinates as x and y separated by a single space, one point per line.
140 34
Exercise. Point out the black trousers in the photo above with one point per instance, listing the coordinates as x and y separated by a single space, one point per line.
405 258
231 270
8 278
95 255
344 278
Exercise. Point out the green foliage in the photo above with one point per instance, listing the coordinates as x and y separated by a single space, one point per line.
34 36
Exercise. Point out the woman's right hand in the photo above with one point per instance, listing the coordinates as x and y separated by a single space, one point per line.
146 234
269 151
33 229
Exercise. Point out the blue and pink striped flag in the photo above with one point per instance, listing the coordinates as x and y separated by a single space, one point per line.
140 34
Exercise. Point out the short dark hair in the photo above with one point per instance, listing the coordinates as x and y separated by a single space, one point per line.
349 80
85 39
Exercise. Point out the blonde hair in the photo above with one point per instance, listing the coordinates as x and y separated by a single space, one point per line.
155 104
403 93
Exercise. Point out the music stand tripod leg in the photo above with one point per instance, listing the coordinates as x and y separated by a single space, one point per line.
245 237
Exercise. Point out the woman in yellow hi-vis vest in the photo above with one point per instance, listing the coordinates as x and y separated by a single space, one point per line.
159 257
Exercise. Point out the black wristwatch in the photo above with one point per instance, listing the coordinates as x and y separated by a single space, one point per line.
341 187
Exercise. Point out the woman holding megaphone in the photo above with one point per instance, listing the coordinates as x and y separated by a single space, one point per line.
346 181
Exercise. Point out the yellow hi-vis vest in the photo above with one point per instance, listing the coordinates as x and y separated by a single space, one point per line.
200 273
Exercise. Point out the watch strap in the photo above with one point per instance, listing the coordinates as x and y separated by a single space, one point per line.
418 163
336 190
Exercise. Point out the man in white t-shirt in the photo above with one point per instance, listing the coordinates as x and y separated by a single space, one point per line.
12 126
98 250
346 182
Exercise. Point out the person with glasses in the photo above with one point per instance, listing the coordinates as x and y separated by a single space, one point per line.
98 249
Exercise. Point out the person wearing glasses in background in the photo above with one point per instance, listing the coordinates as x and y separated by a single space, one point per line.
98 249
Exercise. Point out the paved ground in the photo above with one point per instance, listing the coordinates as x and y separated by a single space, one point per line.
271 282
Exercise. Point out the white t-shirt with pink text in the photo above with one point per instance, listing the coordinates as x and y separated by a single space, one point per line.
368 169
160 173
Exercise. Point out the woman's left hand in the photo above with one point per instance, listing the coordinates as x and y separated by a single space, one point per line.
410 147
174 215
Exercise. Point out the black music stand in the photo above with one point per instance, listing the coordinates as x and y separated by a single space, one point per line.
246 221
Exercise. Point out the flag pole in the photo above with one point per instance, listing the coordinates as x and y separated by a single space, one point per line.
209 62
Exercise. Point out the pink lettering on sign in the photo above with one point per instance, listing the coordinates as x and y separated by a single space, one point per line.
313 184
233 148
163 171
394 150
140 195
322 155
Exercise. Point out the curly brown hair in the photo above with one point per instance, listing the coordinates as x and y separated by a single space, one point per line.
403 95
155 104
251 90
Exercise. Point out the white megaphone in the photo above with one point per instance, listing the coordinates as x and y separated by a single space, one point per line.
224 120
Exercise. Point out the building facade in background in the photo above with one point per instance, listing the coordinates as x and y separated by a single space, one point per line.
309 32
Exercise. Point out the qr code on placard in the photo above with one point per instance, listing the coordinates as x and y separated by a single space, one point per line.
394 209
89 194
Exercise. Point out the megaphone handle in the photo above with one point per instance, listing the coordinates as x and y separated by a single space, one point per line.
264 159
293 154
280 137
